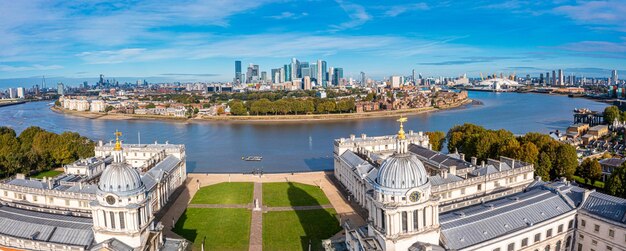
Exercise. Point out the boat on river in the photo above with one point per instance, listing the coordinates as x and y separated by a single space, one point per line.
252 158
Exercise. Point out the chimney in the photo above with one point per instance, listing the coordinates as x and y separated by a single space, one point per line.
499 166
410 132
482 163
452 170
462 156
474 160
444 173
352 137
100 143
363 136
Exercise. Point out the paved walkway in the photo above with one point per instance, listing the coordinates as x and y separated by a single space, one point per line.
220 206
256 226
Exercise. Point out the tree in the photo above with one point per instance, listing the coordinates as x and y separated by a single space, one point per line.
544 166
57 103
150 106
614 185
282 106
437 139
566 162
109 108
237 108
611 113
528 153
220 110
595 171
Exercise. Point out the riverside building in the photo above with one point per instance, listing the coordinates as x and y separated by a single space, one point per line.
420 199
107 202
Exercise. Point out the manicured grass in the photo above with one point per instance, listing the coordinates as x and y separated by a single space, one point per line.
282 194
224 228
49 173
225 193
580 180
292 230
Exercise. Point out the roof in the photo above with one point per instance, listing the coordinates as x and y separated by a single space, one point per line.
606 206
438 180
112 244
156 173
473 225
54 228
614 162
438 159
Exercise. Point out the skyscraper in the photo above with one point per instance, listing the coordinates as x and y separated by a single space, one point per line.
287 72
237 72
319 78
337 75
60 89
331 72
295 69
307 83
614 77
541 79
275 75
314 71
363 79
561 80
547 78
413 76
324 74
553 78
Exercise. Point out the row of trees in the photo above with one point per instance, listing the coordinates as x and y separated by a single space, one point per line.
36 150
552 159
291 106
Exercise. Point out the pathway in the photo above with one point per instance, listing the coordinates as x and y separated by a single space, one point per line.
297 208
256 226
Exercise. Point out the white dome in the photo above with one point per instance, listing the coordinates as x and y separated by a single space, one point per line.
402 171
119 178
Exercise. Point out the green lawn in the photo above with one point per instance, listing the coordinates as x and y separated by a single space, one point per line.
292 194
49 173
224 228
598 184
225 193
292 230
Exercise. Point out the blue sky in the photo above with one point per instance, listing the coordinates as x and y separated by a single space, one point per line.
199 40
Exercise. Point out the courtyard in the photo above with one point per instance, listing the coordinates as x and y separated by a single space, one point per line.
290 216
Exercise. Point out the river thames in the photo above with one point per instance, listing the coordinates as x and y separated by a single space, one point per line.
217 147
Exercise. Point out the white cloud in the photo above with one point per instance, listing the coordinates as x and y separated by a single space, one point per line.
357 14
289 15
111 57
603 14
394 11
35 67
596 46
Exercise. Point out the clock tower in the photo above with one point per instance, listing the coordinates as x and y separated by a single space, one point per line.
121 208
402 212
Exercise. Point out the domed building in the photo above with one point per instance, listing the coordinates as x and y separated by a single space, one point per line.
120 210
402 211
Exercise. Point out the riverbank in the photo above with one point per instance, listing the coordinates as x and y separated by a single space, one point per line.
264 118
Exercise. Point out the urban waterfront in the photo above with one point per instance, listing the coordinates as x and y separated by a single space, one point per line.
217 147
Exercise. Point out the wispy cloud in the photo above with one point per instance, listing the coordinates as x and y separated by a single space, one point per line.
35 67
468 60
289 15
111 57
396 10
609 14
357 14
596 46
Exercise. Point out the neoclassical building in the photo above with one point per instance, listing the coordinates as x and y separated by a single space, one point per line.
419 199
107 202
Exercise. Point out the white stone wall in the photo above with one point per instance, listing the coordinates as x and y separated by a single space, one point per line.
587 238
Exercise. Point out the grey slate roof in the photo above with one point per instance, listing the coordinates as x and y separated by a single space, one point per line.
68 230
437 159
473 225
438 180
151 177
606 206
111 244
614 162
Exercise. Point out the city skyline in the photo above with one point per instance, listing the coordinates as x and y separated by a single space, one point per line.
198 41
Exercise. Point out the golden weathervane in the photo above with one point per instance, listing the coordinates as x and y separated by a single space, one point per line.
118 144
401 132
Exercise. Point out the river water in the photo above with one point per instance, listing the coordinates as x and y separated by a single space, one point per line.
300 146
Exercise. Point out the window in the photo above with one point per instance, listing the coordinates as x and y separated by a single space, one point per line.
382 219
560 229
582 223
594 242
139 217
582 237
547 248
549 233
67 202
415 220
558 246
538 237
525 242
568 242
462 191
104 216
122 223
609 248
511 247
112 219
480 187
404 222
596 228
611 233
35 198
570 224
580 247
424 214
6 194
496 249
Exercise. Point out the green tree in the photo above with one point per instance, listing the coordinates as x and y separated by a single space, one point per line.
437 139
282 106
615 184
237 108
109 108
611 113
595 171
566 162
528 153
57 103
150 106
544 166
